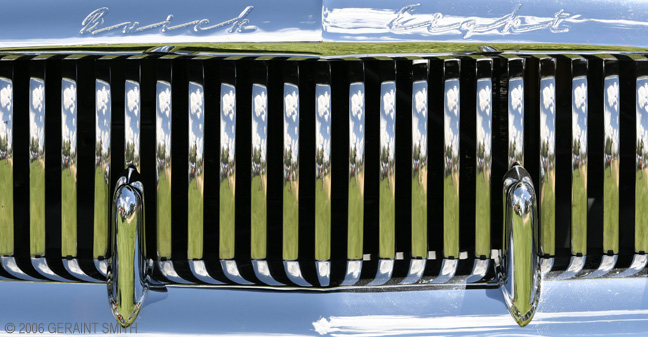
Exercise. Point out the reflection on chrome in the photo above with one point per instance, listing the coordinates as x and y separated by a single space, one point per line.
103 118
163 167
227 170
230 269
356 181
37 166
516 121
451 113
639 262
448 271
607 263
416 269
483 167
40 264
129 270
323 173
518 272
196 176
68 168
384 273
641 180
199 270
419 168
259 184
293 271
262 272
387 180
291 173
72 266
10 266
579 166
167 269
323 272
132 119
611 165
6 167
480 267
576 264
547 165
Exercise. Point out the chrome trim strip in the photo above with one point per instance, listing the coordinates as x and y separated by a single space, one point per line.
517 269
290 173
448 270
607 263
451 113
101 266
611 190
72 267
480 268
40 264
387 181
576 264
129 270
227 171
37 166
102 182
580 160
547 160
68 168
323 272
196 176
639 262
323 168
10 266
199 270
230 269
259 176
384 273
545 265
163 111
262 272
167 269
132 112
6 167
641 185
294 273
353 270
416 269
483 156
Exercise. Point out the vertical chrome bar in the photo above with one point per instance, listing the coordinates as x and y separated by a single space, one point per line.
419 166
386 194
163 167
37 166
483 158
641 180
611 165
103 120
516 113
323 181
68 168
132 119
451 113
547 193
291 172
6 167
227 170
356 169
356 182
579 158
196 177
259 185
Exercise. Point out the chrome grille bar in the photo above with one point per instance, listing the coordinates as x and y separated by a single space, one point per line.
69 167
484 157
516 111
6 161
102 174
641 180
547 186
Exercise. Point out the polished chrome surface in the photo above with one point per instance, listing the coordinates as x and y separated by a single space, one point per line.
228 171
68 167
231 271
483 166
259 185
387 179
163 167
451 114
607 263
517 268
293 271
639 262
262 272
579 165
167 269
101 266
37 166
10 265
546 264
72 266
6 167
448 271
547 188
41 266
290 173
199 270
480 268
416 269
356 175
420 116
103 133
384 273
611 104
132 118
641 180
129 270
323 272
516 121
196 176
576 264
353 269
323 175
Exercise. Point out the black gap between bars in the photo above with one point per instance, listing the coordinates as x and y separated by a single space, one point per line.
595 137
499 147
468 150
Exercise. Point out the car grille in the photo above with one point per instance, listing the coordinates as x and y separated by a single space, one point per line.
321 172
